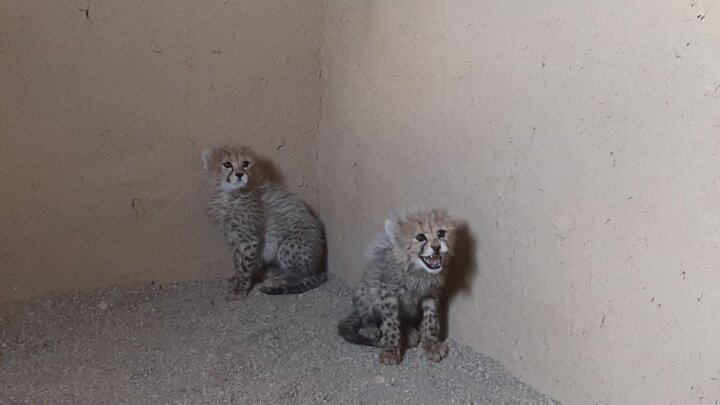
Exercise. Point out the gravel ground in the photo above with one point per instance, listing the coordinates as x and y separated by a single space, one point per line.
184 344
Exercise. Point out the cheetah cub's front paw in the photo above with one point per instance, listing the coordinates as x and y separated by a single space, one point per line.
390 358
435 351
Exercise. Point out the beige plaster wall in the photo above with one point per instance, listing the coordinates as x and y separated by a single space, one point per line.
105 107
580 140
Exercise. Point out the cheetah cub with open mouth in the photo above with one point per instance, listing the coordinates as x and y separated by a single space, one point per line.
268 227
406 269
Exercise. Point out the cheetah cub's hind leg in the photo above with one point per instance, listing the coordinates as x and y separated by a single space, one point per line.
298 262
412 337
273 277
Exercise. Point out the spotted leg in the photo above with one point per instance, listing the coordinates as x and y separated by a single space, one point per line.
435 350
390 328
245 259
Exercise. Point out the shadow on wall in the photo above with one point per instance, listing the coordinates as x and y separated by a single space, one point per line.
269 171
462 272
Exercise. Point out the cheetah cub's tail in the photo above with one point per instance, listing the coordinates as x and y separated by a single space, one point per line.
296 286
351 330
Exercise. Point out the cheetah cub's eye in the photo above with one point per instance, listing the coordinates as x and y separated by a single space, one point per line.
420 238
246 164
442 233
227 165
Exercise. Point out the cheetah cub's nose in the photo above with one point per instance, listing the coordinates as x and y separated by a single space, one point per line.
239 175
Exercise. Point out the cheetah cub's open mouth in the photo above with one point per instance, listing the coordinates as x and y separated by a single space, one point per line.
433 262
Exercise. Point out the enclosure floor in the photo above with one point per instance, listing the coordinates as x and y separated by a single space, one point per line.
183 343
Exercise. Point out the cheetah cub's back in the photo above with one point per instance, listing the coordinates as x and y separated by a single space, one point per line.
405 272
269 229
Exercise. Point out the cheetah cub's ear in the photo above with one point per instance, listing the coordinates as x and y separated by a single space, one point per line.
207 156
393 225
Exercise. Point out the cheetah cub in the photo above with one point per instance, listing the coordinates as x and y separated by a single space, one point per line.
268 228
405 272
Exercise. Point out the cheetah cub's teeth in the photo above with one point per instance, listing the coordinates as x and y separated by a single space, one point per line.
433 262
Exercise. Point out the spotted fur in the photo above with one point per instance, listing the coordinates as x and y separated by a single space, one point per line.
401 287
268 228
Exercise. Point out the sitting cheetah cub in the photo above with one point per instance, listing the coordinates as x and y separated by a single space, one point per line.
405 272
268 228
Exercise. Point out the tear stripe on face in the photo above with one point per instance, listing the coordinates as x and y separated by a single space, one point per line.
225 178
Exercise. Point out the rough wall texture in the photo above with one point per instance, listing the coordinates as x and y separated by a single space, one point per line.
105 107
580 141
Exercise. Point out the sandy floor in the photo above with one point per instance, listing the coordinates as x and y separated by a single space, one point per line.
183 344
